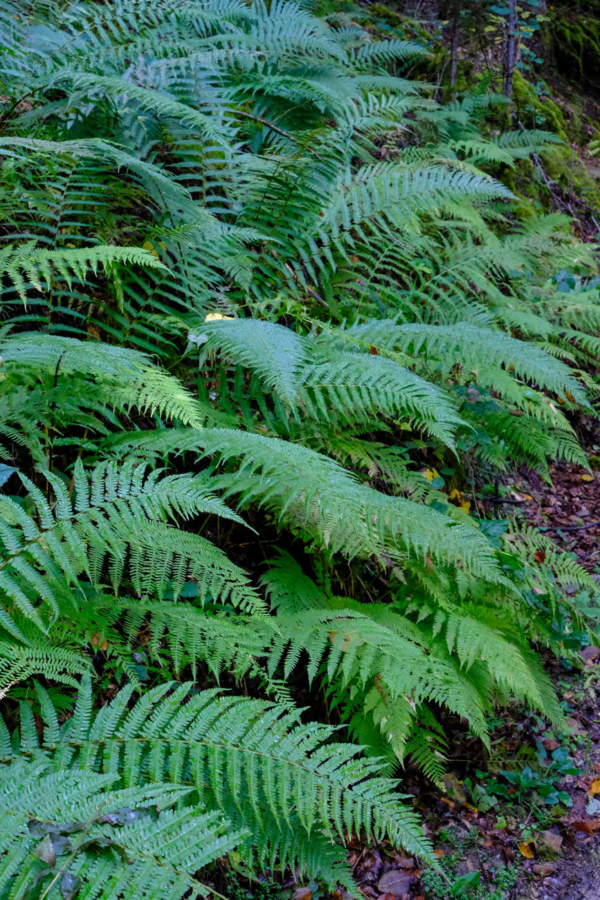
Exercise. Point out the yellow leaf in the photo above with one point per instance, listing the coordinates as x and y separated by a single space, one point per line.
587 477
526 849
214 317
462 501
430 474
150 247
594 787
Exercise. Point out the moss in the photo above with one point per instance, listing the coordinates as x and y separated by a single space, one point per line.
538 111
576 46
408 27
379 11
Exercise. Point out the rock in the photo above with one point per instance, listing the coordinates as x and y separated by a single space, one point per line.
552 841
576 726
590 653
545 868
396 882
454 787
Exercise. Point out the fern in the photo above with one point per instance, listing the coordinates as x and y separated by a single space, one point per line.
247 255
314 492
40 265
282 783
71 831
117 511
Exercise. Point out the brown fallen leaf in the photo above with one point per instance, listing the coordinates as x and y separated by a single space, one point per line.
97 642
527 849
438 853
539 556
395 882
302 893
589 826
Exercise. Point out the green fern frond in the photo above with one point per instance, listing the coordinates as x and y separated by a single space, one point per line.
283 783
117 512
40 266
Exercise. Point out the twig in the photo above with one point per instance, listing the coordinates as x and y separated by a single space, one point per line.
310 290
574 527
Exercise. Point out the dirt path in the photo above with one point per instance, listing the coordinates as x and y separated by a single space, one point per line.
577 877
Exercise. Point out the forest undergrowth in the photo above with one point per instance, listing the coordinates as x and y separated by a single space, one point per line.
293 293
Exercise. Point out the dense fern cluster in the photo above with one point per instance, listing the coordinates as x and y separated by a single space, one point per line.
255 279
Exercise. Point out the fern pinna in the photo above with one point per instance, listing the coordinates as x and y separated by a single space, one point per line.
260 287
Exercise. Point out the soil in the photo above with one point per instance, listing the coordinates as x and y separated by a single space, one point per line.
563 862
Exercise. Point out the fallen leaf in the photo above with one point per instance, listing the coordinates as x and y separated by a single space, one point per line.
214 317
461 500
395 882
526 849
587 477
147 245
302 893
574 821
590 653
99 642
539 556
593 807
594 787
438 853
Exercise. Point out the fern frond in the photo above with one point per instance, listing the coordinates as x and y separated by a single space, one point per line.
117 513
283 783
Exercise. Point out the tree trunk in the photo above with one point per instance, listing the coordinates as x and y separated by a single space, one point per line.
455 40
510 49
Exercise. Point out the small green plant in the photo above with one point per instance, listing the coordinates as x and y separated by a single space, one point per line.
443 886
525 787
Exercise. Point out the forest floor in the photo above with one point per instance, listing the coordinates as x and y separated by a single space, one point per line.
494 840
